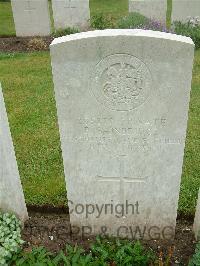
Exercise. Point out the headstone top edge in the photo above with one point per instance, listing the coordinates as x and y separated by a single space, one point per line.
122 32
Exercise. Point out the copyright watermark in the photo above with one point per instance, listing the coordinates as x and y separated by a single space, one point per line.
118 210
132 232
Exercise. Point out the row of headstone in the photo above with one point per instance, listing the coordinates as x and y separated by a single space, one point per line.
32 18
157 9
122 116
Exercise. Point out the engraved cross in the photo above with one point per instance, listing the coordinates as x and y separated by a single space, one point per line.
122 179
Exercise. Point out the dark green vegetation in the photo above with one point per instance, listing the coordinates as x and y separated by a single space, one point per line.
102 253
133 20
188 29
195 261
10 237
63 32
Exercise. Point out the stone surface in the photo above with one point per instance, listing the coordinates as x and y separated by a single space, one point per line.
31 17
182 9
153 9
11 194
122 100
70 13
196 226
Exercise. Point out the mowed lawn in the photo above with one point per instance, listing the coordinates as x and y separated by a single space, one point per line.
28 89
191 167
114 8
7 27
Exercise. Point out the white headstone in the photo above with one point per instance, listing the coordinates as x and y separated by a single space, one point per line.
196 226
11 194
31 17
153 9
122 100
70 13
182 10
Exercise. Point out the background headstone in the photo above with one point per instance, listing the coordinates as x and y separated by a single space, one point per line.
11 194
153 9
122 100
196 226
183 9
31 17
70 13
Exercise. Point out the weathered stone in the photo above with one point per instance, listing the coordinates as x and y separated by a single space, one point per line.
70 13
153 9
11 194
182 10
122 99
31 17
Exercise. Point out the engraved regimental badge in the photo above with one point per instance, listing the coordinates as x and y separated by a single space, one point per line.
121 82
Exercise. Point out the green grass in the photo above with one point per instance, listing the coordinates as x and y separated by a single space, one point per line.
191 167
7 27
169 13
114 8
28 90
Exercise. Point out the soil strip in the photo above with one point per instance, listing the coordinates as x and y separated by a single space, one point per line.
52 230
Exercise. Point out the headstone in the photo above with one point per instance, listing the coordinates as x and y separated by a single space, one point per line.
196 226
11 194
122 100
70 13
182 10
153 9
31 17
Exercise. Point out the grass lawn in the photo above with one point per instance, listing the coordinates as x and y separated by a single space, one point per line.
7 27
115 8
191 167
28 89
